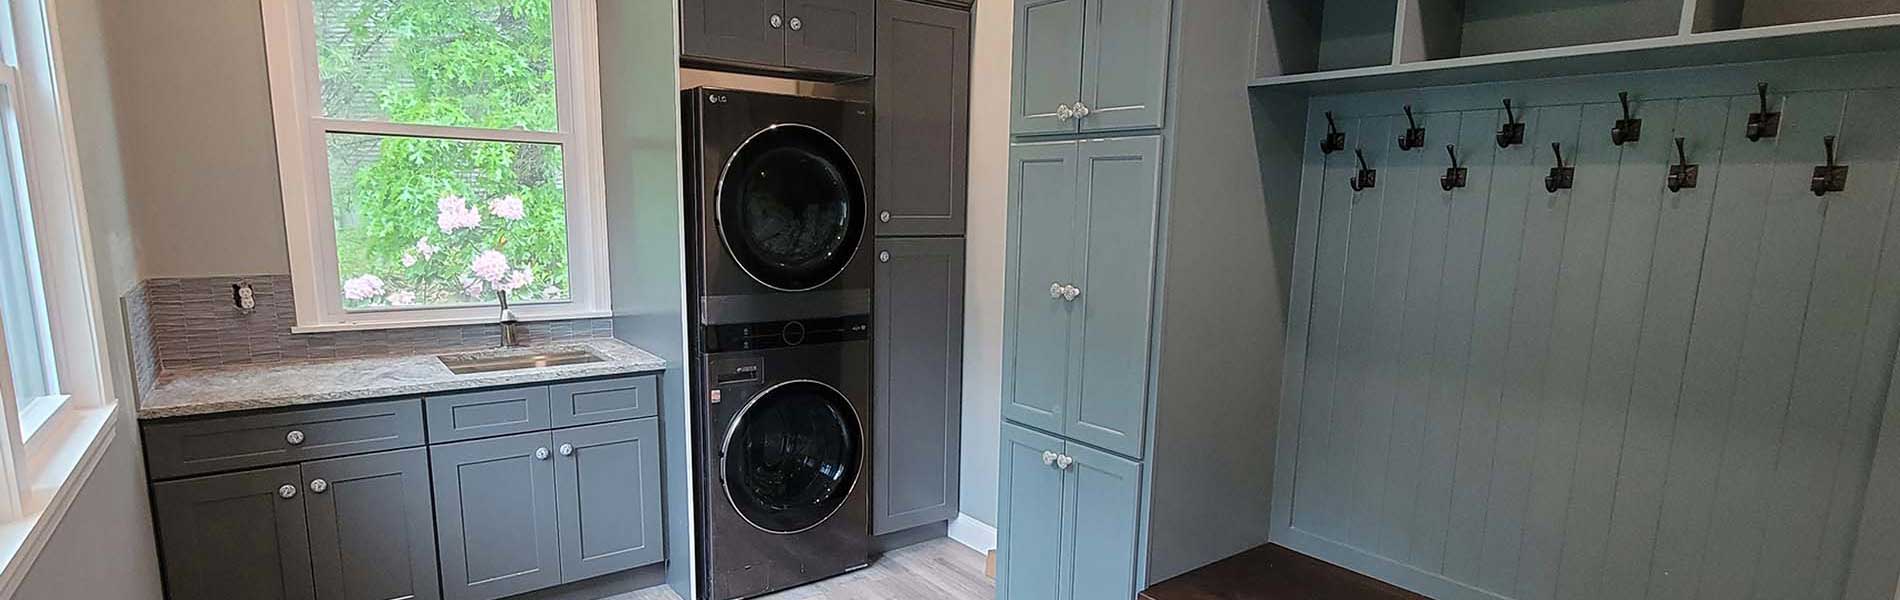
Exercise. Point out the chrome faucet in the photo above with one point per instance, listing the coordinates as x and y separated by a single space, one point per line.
509 336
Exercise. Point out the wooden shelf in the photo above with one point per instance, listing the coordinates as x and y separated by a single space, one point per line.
1841 36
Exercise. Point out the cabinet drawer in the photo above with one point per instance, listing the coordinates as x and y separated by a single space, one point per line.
590 402
255 440
484 414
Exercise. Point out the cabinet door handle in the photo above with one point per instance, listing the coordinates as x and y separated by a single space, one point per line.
1048 458
797 24
541 453
1064 462
319 486
1081 111
567 449
1064 113
294 438
777 21
1070 292
287 491
1056 290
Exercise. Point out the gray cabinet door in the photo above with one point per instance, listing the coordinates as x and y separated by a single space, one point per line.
919 388
1119 182
372 526
1048 66
923 119
1125 64
235 536
1042 257
837 36
1029 517
607 488
733 31
1101 500
495 516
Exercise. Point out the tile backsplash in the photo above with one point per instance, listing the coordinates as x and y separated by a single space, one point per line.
189 323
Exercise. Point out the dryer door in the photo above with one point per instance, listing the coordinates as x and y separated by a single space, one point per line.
791 456
791 207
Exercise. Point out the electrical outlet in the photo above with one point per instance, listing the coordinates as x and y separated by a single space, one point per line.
243 297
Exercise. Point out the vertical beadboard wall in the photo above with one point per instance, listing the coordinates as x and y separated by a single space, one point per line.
1613 391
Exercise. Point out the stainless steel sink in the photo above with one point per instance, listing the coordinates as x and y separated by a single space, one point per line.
468 363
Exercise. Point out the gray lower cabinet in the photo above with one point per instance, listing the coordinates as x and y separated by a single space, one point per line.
495 516
372 526
918 342
821 36
923 119
239 535
607 479
1069 518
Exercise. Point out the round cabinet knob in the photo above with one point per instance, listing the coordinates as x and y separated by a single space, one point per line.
294 438
1081 110
884 256
884 216
1070 292
540 453
1048 458
777 21
1064 462
1064 113
319 486
567 449
287 492
797 24
1056 290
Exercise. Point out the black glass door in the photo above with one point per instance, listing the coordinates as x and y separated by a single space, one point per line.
791 207
791 456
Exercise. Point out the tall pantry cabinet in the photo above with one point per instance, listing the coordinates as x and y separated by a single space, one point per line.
1143 299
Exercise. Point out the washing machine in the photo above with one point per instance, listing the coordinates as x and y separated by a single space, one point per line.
777 206
783 454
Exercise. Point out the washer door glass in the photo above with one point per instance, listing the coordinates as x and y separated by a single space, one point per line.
791 207
792 456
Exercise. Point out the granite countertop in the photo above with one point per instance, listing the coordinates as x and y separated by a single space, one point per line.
250 387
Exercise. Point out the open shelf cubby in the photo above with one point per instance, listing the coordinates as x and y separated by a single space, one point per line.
1338 46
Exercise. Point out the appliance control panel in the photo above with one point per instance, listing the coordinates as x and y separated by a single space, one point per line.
784 334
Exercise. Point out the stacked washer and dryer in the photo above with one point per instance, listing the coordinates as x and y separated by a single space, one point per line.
781 310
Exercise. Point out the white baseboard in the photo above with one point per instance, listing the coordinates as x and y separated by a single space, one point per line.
968 531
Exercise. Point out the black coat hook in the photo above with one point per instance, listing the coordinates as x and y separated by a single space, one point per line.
1561 177
1628 128
1335 139
1830 177
1682 175
1512 133
1455 175
1763 124
1366 178
1414 137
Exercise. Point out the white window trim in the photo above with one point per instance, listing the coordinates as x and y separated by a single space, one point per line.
290 44
41 476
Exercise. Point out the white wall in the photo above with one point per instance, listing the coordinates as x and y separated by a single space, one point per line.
983 282
103 546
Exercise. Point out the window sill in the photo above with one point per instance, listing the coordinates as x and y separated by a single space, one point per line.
446 322
58 477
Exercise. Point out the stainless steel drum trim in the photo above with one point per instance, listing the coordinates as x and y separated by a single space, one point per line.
725 445
719 204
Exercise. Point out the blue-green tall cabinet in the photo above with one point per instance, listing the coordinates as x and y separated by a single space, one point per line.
1143 303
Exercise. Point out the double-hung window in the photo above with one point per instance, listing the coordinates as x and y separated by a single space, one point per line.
437 153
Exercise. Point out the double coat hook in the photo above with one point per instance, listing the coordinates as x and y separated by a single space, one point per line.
1512 132
1335 139
1682 175
1561 177
1831 177
1414 137
1366 178
1629 128
1763 124
1456 174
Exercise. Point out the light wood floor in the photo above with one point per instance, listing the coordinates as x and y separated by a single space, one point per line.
940 569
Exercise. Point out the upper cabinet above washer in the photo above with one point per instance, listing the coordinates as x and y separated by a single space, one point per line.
828 38
1087 66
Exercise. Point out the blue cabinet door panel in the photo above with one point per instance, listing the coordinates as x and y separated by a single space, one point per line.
1029 518
1037 341
1119 182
